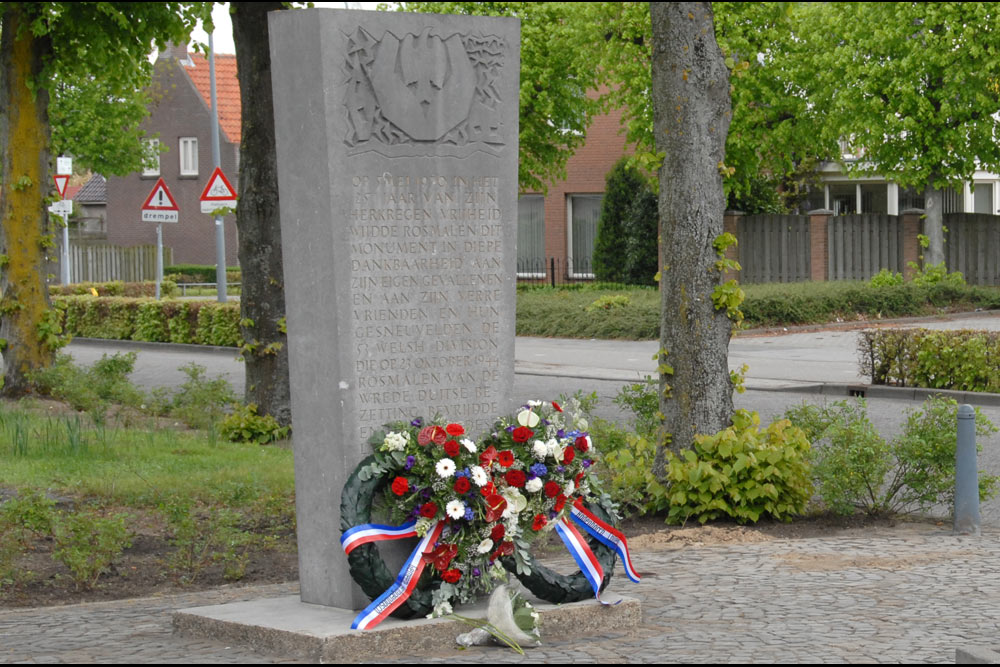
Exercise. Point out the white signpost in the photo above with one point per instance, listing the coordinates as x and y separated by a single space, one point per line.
160 207
63 208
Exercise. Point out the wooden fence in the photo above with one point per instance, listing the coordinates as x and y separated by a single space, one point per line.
774 248
972 246
860 246
101 263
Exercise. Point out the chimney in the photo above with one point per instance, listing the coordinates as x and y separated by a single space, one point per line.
178 52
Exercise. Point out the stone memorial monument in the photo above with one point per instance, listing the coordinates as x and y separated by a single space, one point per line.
397 161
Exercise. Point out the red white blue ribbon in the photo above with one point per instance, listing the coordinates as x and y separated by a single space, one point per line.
406 581
605 534
584 557
373 532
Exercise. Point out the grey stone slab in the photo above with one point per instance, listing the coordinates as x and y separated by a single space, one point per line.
289 627
397 168
977 655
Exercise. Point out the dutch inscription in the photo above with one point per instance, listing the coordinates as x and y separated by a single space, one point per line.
426 286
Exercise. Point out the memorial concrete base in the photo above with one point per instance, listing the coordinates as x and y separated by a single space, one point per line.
291 628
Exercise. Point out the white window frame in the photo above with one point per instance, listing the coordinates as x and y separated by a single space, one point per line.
188 149
153 149
573 273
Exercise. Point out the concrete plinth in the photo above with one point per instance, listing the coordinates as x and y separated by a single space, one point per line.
978 655
291 628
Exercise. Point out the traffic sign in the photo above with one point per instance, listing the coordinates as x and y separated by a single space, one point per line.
62 207
160 205
219 193
64 165
61 182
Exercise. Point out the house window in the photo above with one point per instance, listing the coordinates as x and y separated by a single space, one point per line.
531 236
583 212
953 200
874 198
843 199
982 197
151 162
910 198
189 156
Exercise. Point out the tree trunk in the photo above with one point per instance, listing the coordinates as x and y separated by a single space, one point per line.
933 224
262 301
24 138
691 106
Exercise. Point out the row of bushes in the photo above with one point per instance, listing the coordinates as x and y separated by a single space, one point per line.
120 318
199 273
963 360
116 288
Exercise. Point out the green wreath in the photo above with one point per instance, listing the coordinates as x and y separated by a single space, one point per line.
370 572
558 588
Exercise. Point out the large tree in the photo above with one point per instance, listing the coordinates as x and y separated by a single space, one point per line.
691 106
38 41
262 302
910 87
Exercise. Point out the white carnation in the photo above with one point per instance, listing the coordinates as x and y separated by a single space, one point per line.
539 450
533 485
569 488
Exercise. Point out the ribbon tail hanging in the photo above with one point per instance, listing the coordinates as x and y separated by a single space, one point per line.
584 557
606 534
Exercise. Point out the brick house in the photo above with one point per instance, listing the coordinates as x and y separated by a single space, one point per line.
557 230
181 115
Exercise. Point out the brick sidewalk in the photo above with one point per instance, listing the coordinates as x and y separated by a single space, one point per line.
911 594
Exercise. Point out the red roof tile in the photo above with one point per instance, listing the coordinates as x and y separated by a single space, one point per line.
227 89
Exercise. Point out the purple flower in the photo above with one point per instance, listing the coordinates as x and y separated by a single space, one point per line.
546 422
586 463
510 429
426 493
410 460
561 433
560 468
417 422
476 572
539 469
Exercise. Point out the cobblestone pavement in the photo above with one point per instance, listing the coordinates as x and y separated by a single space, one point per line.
910 594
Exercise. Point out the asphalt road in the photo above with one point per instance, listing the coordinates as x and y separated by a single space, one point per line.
785 370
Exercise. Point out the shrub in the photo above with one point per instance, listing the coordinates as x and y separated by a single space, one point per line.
624 183
91 389
29 514
199 273
88 543
201 539
963 360
854 467
200 402
886 278
640 229
742 473
245 425
609 302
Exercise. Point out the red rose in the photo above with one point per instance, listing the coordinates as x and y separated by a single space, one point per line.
498 532
582 443
488 456
568 455
462 485
452 448
556 406
516 478
506 458
428 510
560 502
552 489
454 430
451 576
522 434
539 522
495 505
400 486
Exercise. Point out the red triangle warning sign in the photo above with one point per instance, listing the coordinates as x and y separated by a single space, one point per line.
160 198
218 188
61 182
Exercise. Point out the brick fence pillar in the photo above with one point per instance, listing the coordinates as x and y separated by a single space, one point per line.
911 245
730 224
819 253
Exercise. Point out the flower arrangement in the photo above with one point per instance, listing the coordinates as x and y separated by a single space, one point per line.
490 499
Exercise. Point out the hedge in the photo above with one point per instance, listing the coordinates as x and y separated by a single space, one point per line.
200 273
122 318
964 360
116 288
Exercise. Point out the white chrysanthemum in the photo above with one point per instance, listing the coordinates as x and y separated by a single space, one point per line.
485 546
533 485
569 488
479 476
455 509
445 468
470 445
534 404
395 442
539 450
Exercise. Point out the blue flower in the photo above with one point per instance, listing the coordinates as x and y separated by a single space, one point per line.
539 470
468 513
410 460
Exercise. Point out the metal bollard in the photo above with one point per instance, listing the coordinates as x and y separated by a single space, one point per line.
966 474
